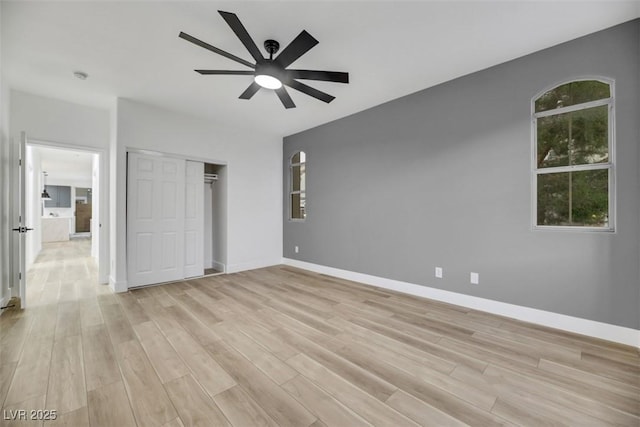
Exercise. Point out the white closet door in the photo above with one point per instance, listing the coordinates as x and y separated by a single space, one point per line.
194 220
155 219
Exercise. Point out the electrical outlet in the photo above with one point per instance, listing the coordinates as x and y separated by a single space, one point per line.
296 249
475 278
439 272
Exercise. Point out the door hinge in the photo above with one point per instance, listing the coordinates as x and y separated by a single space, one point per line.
20 275
19 162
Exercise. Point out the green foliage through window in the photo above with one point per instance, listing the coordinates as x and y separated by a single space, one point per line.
573 159
574 138
574 198
573 93
297 195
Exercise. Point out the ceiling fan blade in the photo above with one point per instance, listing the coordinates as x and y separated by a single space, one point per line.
207 46
327 76
285 98
226 72
250 91
243 35
318 94
298 47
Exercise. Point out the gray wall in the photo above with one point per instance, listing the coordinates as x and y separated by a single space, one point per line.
442 178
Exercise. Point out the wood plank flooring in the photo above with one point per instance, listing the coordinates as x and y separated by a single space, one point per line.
285 347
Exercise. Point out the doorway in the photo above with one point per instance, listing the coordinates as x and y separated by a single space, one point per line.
84 211
64 253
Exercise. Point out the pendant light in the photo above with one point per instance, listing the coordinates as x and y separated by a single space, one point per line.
45 195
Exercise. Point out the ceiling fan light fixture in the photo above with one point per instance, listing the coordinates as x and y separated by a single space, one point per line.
268 75
267 81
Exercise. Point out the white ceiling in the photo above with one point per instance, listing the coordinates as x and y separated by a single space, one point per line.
390 49
63 164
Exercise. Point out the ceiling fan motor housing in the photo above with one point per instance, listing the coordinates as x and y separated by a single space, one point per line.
272 47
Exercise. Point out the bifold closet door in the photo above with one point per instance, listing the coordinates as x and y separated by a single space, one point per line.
155 219
194 220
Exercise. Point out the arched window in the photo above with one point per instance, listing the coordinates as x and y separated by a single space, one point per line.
573 156
297 189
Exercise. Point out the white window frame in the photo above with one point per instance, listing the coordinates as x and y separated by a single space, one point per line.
610 166
291 190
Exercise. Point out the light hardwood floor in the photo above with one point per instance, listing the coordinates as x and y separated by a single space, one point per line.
282 346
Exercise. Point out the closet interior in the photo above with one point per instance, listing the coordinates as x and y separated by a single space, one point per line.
214 198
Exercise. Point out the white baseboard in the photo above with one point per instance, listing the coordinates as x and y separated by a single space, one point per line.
619 334
118 287
219 266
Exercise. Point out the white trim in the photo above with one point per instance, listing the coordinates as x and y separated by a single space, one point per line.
118 287
576 107
580 228
176 156
605 331
574 168
218 266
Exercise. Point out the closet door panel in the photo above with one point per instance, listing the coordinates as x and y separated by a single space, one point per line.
155 219
172 218
144 258
194 219
140 219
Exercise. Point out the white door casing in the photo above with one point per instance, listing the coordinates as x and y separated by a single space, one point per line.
155 219
194 219
18 219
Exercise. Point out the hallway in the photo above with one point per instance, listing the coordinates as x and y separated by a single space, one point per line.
37 366
63 271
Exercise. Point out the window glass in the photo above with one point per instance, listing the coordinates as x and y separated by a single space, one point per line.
573 93
572 166
297 205
297 196
574 198
574 138
298 177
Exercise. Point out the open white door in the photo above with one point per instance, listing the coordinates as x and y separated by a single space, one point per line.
194 220
155 219
18 219
98 240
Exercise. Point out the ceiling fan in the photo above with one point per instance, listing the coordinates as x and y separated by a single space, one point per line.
272 73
